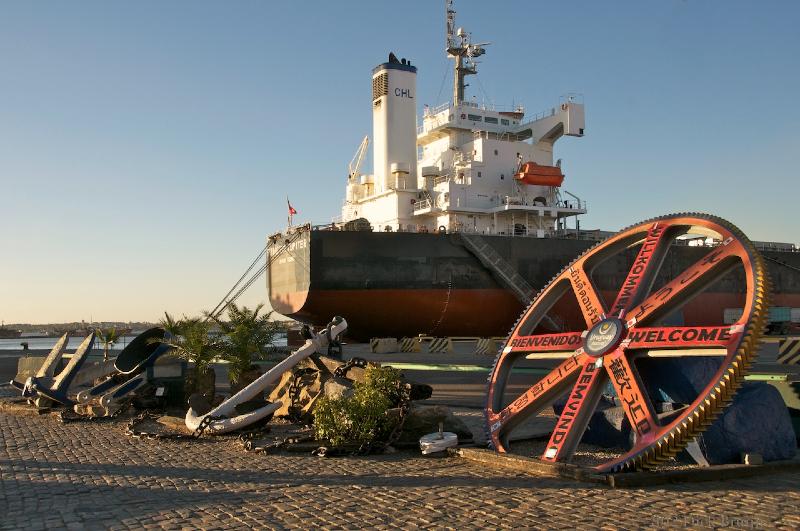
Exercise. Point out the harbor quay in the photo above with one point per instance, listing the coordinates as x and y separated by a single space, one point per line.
92 475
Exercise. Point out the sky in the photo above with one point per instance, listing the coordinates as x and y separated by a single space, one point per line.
147 148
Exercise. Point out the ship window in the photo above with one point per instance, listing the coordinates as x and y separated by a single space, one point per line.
502 176
490 120
474 117
503 121
479 174
495 152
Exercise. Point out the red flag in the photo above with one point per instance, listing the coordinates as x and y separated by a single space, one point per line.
292 211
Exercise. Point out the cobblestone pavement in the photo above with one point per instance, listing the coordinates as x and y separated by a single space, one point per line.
90 475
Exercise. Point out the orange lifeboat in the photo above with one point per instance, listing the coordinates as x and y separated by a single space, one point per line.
532 173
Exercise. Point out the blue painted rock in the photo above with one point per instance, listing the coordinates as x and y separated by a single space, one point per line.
757 421
676 380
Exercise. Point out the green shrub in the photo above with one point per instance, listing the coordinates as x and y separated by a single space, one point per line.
361 418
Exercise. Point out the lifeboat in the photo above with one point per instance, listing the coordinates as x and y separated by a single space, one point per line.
532 173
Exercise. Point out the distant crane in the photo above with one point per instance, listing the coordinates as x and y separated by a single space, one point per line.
355 165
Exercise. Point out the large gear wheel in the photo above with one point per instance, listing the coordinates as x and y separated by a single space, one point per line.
618 328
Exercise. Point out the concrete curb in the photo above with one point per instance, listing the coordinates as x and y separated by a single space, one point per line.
536 467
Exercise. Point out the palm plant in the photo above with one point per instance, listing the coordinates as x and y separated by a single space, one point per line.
192 342
171 325
247 336
107 336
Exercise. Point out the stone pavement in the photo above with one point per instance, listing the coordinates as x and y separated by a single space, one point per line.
90 475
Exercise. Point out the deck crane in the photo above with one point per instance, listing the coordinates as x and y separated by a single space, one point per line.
355 164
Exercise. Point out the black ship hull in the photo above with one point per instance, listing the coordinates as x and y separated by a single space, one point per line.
405 284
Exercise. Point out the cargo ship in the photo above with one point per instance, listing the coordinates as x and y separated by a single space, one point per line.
463 218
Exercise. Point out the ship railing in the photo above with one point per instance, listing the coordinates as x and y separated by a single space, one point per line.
422 204
430 111
776 246
492 107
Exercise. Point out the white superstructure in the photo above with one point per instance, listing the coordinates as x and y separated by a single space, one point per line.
467 167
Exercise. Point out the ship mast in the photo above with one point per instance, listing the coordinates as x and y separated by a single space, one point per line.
458 46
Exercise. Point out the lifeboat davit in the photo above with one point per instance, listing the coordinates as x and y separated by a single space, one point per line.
532 173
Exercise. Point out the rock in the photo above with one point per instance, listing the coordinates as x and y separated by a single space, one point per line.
677 380
757 422
422 420
419 391
336 388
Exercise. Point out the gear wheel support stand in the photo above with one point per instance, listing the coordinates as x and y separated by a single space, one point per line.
612 337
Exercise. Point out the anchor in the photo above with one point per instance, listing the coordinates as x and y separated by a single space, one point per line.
44 387
218 420
128 374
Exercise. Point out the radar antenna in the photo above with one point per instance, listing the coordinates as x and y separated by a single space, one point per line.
464 52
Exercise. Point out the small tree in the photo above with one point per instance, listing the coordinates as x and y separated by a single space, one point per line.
171 325
247 336
107 336
192 342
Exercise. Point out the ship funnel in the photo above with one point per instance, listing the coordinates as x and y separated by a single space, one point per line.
394 124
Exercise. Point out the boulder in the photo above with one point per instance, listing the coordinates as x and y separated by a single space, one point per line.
422 420
336 388
677 380
757 422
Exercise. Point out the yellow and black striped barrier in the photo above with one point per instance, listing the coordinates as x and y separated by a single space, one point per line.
439 345
486 345
789 351
410 344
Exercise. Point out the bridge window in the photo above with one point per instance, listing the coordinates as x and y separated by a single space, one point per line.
503 121
474 117
490 120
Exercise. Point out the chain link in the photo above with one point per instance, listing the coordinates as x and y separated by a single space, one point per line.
342 370
204 425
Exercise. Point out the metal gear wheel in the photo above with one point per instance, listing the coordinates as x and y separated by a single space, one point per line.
612 336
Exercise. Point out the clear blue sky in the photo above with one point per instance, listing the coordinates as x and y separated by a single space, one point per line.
147 148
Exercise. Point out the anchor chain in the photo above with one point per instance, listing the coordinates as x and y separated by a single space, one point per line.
204 425
342 370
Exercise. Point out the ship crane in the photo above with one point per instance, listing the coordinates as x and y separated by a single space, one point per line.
458 46
354 166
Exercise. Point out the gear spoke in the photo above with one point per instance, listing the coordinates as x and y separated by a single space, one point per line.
581 403
565 342
537 397
589 300
635 401
644 269
682 337
683 287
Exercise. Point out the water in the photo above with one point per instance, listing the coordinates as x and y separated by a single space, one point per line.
46 343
